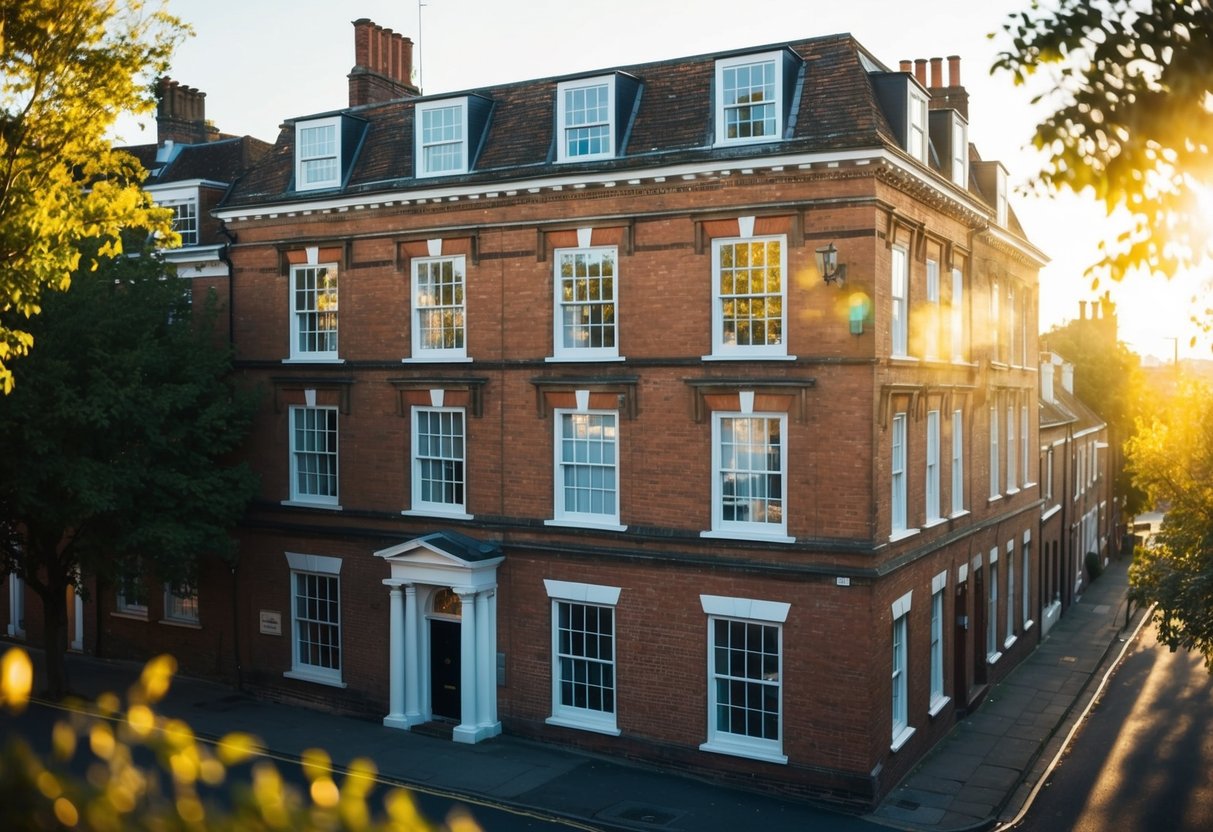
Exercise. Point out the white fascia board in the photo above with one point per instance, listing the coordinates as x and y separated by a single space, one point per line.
190 254
1023 245
1090 430
184 183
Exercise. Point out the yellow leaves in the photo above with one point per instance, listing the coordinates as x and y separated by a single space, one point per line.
16 679
236 748
156 676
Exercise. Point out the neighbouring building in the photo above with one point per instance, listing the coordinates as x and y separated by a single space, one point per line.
682 411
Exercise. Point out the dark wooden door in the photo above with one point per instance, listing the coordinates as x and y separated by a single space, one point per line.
444 668
960 647
979 627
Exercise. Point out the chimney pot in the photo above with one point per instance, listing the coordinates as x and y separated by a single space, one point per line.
1082 310
907 66
953 70
920 70
936 73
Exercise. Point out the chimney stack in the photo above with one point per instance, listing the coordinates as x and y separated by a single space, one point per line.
383 65
920 70
1046 379
181 114
1067 377
907 66
936 73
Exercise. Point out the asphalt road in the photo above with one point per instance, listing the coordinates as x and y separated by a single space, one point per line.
1143 759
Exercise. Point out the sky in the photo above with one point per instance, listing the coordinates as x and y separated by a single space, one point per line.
262 61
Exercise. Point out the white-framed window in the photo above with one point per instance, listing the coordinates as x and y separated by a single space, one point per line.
583 655
935 322
132 595
916 127
585 313
995 323
749 296
181 604
899 313
16 606
749 99
745 672
938 585
897 469
1012 328
1080 471
439 306
1026 575
587 467
1024 443
899 705
185 219
314 312
1012 458
960 345
1000 197
995 477
439 456
318 154
315 618
932 483
960 152
992 608
314 455
749 471
1010 592
585 112
1048 483
958 462
1025 299
441 137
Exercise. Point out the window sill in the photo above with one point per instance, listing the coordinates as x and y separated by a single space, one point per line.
739 749
586 524
582 359
1011 491
1046 515
901 738
1010 642
749 357
187 625
938 705
956 515
938 521
434 512
129 616
722 534
896 537
586 724
296 359
991 658
303 504
1029 624
437 359
318 678
904 359
994 498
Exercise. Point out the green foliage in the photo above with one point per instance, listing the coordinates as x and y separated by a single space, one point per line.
68 68
1130 120
116 440
1171 458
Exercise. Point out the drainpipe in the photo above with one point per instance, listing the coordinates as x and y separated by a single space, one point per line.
231 281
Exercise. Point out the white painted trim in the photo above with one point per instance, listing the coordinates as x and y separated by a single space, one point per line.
581 593
322 564
902 605
728 607
903 736
939 581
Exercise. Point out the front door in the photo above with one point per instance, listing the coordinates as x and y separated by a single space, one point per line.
979 627
960 675
445 645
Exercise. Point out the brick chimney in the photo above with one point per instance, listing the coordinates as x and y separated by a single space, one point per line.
383 65
953 95
181 114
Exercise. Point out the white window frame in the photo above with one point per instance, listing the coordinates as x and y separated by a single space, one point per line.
604 599
748 612
181 608
749 530
898 506
453 135
320 306
565 114
563 418
899 705
995 455
16 606
995 321
960 151
958 469
935 322
725 66
132 607
1012 456
185 218
917 142
1026 574
302 160
932 470
722 349
1000 197
899 299
1012 328
1048 478
424 306
568 315
992 652
1010 635
452 459
1025 445
301 496
938 697
327 569
960 347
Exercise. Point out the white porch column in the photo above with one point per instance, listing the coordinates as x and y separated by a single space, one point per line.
412 657
486 690
396 670
466 730
492 651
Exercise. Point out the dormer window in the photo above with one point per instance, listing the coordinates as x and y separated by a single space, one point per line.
960 153
1000 197
185 219
318 154
750 98
916 128
442 137
585 113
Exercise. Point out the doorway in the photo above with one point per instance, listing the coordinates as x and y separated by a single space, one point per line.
979 627
960 677
445 646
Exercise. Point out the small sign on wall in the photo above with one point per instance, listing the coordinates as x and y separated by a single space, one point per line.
271 623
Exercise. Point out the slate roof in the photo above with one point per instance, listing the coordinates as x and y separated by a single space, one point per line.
467 549
222 160
673 123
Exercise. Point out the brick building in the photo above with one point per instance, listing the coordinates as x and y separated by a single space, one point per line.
682 411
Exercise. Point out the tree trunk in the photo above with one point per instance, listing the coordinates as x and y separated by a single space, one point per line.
54 617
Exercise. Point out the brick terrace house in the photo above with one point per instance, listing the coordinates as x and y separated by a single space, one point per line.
682 411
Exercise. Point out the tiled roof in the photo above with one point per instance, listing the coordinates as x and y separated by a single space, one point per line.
220 161
673 123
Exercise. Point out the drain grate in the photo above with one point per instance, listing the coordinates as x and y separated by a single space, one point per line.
641 814
911 805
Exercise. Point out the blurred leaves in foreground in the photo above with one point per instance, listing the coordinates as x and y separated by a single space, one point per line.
144 771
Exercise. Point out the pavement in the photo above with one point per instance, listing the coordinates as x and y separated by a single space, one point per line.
979 776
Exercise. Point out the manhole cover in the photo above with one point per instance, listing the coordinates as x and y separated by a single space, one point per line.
911 805
647 815
641 814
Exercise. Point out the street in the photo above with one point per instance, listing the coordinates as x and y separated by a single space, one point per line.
1143 760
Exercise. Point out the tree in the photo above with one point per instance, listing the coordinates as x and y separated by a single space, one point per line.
115 441
68 68
1130 120
1172 460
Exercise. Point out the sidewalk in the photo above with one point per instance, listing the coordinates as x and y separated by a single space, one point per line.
981 772
985 769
